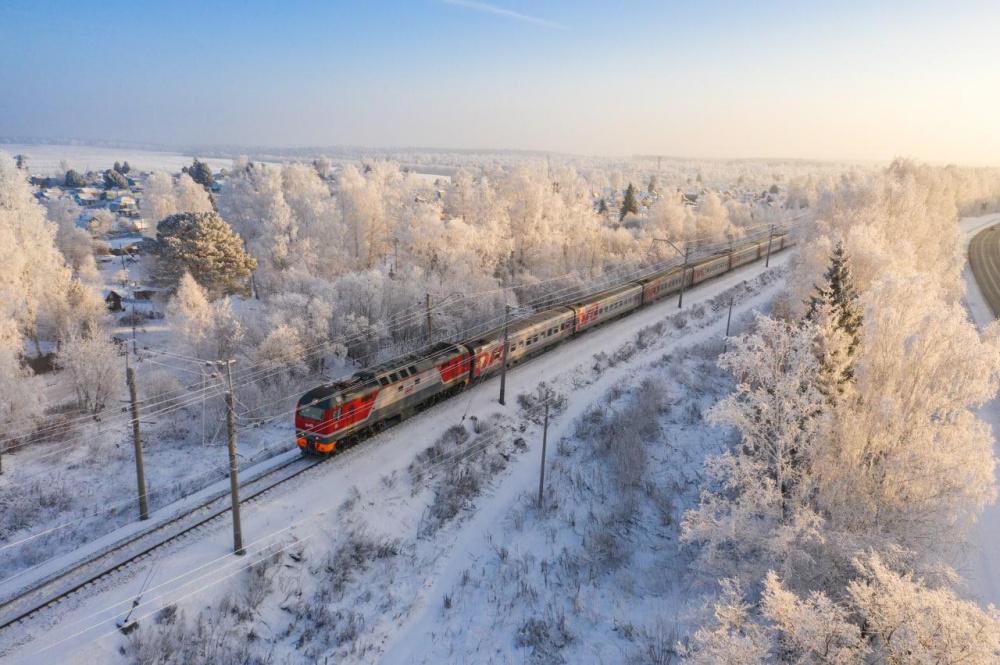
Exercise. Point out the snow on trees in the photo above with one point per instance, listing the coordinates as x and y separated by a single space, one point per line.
909 462
34 277
760 509
888 457
205 329
101 222
205 246
835 310
885 617
164 196
92 364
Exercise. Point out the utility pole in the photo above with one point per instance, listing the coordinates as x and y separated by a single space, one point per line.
503 357
684 271
430 326
234 483
686 253
541 470
395 257
728 320
140 472
770 236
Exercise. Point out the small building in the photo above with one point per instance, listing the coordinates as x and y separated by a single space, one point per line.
114 301
87 196
124 205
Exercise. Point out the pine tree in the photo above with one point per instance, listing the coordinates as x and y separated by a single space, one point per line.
629 205
834 309
203 244
602 207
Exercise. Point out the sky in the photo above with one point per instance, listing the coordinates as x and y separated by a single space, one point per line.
825 80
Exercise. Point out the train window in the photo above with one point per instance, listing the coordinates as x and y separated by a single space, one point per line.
413 370
394 377
383 381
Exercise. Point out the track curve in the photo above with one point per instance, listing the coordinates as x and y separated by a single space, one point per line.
984 258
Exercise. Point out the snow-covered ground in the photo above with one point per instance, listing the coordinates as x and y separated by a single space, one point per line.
982 569
385 531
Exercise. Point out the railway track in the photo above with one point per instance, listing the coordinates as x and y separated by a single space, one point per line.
984 258
119 556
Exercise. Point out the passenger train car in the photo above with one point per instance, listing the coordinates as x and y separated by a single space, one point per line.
336 415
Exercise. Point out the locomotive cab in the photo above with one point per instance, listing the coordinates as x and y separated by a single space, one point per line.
315 415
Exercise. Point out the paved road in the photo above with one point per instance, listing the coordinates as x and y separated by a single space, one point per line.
984 257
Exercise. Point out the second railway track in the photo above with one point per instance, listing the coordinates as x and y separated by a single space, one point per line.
53 589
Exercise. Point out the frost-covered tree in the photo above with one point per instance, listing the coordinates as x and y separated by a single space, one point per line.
34 277
92 365
101 222
835 310
884 617
189 196
205 329
908 621
737 636
22 394
908 461
281 353
164 196
190 313
759 513
74 243
205 246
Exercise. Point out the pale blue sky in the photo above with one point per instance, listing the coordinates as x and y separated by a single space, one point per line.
841 80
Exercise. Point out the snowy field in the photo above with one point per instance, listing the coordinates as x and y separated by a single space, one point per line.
47 159
385 530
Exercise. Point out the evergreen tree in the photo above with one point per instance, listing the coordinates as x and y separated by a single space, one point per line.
602 207
203 244
117 167
74 179
113 179
630 204
834 309
201 173
125 167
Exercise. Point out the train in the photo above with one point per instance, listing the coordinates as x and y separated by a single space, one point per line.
337 415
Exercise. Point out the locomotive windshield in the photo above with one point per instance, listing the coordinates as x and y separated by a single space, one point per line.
314 410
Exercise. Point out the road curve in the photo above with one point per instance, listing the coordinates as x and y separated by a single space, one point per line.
984 257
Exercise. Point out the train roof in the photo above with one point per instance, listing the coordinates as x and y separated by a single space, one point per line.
608 293
521 324
369 377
